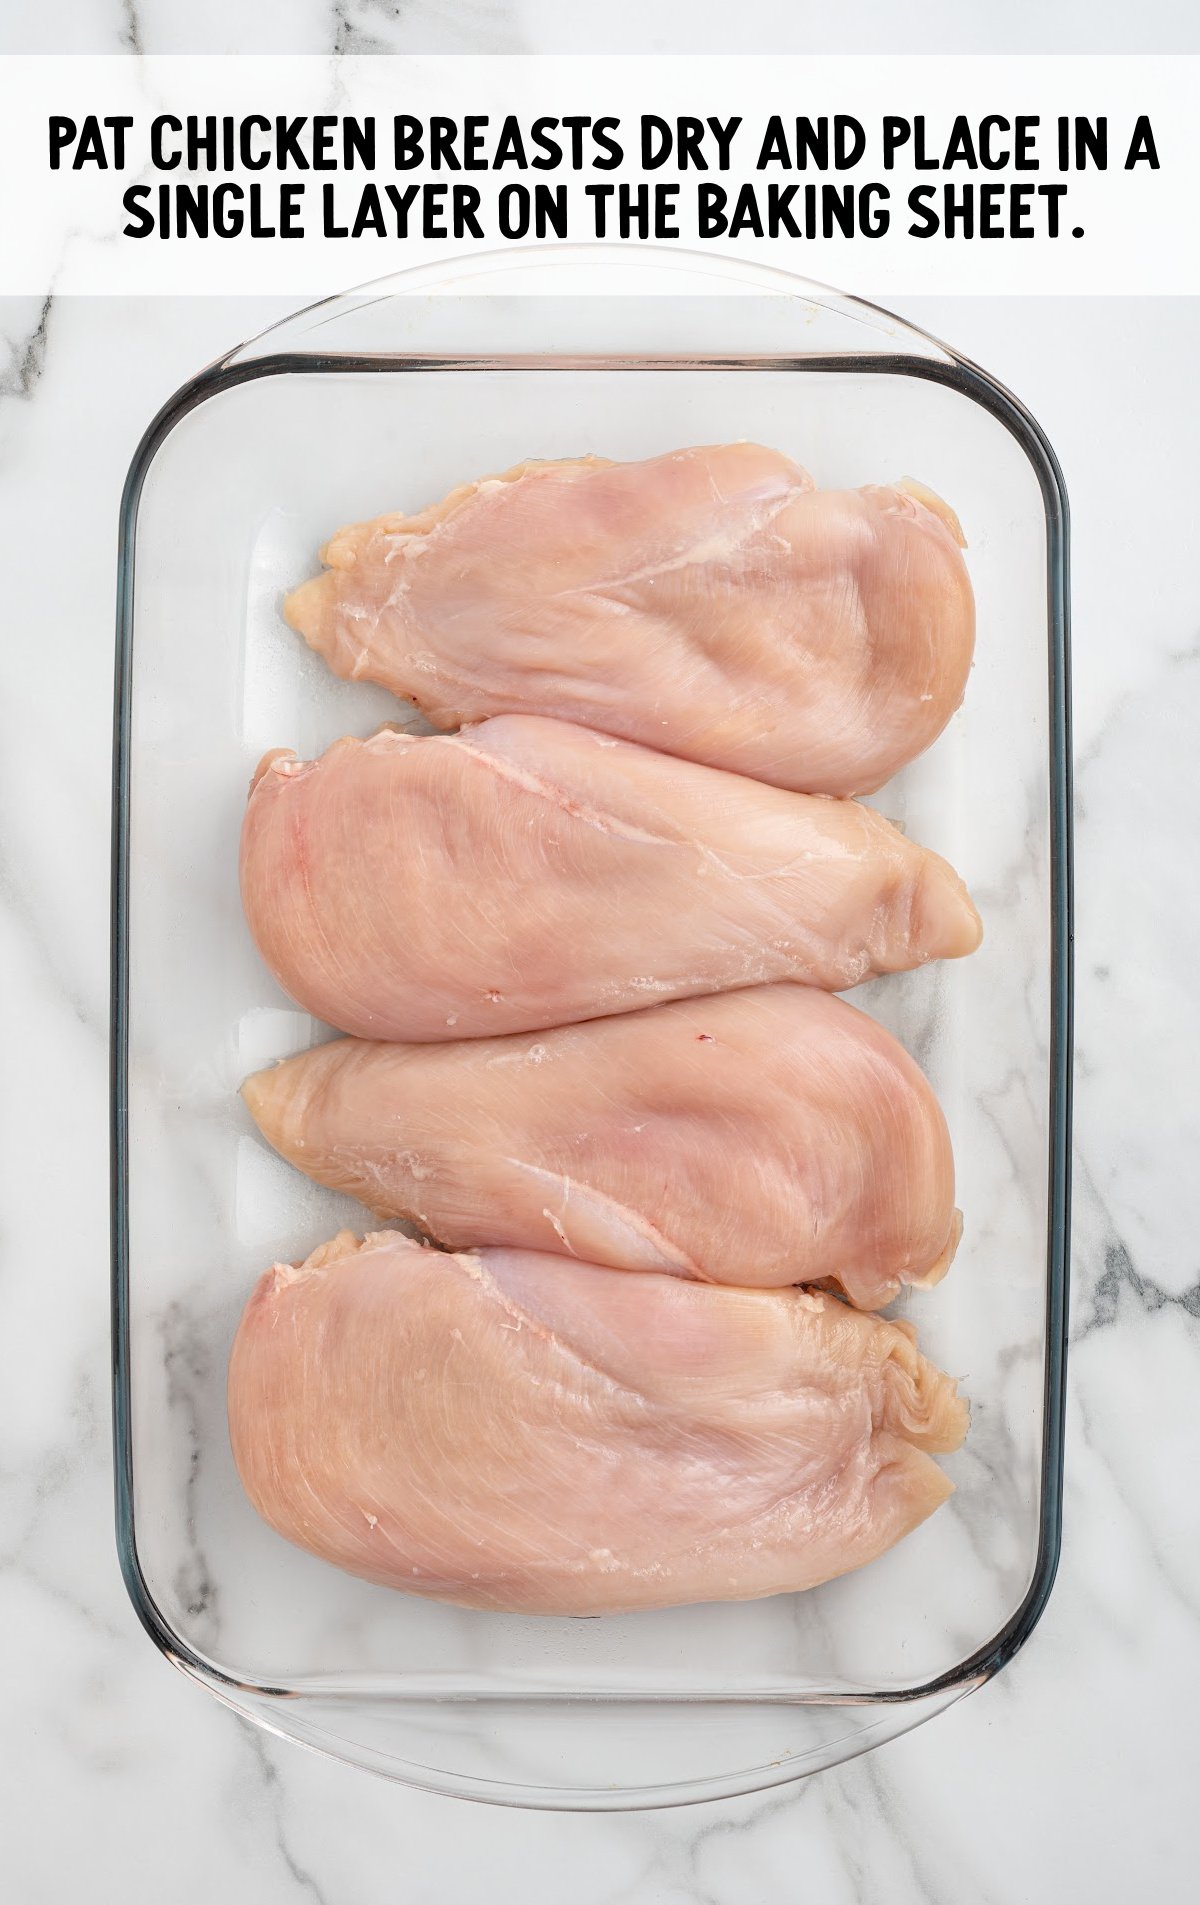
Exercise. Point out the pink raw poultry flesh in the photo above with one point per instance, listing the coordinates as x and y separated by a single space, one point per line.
711 603
530 873
767 1137
508 1430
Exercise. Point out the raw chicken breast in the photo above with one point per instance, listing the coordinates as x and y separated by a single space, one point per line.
771 1136
528 873
508 1430
710 603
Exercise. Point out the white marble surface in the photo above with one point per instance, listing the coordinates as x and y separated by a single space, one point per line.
557 26
1073 1775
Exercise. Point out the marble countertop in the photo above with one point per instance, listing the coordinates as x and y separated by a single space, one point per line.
622 26
1073 1774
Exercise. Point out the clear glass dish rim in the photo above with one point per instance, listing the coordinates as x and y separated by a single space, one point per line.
942 365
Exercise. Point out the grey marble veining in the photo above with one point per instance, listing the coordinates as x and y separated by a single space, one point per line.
24 345
1071 1775
1087 1729
549 26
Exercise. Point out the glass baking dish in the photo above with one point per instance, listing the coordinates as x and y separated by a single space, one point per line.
384 400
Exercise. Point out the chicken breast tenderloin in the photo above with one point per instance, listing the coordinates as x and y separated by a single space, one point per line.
507 1430
529 873
766 1137
710 603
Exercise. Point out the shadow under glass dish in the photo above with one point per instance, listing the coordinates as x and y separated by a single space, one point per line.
385 400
